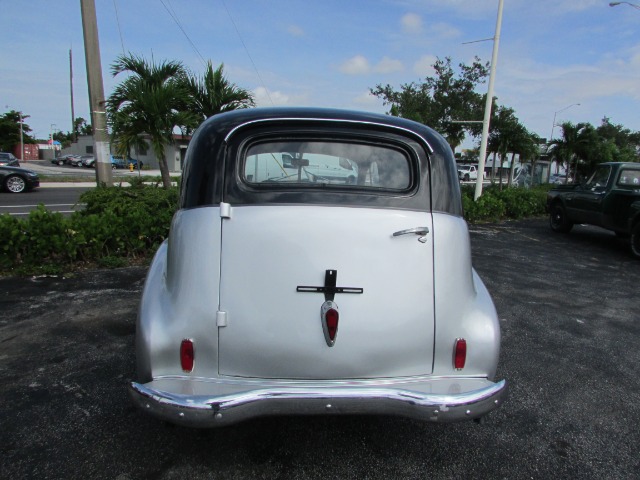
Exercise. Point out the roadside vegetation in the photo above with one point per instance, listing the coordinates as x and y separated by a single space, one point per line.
121 226
497 204
118 226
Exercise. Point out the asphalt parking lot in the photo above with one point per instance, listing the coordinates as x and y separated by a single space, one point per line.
570 320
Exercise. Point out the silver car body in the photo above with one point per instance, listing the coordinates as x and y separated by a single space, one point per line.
254 259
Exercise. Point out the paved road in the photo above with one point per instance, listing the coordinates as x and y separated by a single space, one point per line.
59 196
568 306
62 199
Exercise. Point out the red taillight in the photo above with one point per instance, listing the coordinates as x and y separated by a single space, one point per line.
459 353
331 318
186 355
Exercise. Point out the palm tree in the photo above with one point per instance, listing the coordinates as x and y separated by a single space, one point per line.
148 102
503 125
213 93
576 144
128 136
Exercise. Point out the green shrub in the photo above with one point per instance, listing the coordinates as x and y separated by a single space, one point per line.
13 236
487 208
117 224
522 202
495 204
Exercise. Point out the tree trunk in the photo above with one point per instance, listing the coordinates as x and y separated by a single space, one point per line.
511 169
164 172
493 168
533 172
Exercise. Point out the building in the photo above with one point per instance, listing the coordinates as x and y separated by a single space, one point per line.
174 153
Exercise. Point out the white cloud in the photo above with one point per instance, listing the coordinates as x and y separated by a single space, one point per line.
411 23
357 65
295 30
366 100
388 65
423 67
267 98
360 65
443 31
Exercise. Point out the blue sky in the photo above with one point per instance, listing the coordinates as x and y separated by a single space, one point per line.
553 53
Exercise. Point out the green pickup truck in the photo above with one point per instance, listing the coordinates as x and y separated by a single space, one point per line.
609 199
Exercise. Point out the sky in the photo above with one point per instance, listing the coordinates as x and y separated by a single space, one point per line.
553 54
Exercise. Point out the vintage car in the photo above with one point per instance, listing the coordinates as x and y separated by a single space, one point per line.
318 264
609 199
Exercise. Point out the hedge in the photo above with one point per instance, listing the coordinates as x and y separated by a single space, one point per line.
118 225
121 225
508 203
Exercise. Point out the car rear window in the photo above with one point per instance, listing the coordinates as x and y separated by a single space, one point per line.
326 163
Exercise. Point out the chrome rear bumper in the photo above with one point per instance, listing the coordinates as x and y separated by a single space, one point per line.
207 403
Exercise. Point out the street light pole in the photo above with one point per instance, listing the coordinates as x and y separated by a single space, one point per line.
21 138
615 4
553 125
53 131
488 105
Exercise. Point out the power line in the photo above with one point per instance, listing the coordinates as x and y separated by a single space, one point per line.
175 19
247 51
115 7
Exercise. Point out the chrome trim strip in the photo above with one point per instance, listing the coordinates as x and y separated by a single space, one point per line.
226 409
336 120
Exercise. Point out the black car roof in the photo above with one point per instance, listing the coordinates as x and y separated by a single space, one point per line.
210 139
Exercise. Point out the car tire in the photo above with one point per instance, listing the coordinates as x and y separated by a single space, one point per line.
113 167
466 177
635 240
15 184
558 220
60 163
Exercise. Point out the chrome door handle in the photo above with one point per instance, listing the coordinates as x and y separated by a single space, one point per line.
416 230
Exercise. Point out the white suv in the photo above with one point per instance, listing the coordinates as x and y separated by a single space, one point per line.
467 172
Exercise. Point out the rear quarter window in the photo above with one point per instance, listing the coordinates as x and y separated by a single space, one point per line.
629 178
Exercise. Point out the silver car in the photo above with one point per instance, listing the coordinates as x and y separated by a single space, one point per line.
282 291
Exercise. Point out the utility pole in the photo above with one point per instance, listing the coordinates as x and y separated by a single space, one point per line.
21 137
96 93
488 105
73 119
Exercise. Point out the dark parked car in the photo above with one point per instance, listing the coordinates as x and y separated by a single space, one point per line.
609 199
120 162
18 180
116 162
74 160
61 160
8 159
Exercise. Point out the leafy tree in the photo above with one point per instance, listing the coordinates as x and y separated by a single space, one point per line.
148 102
579 143
439 100
10 131
65 139
81 127
619 143
213 93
